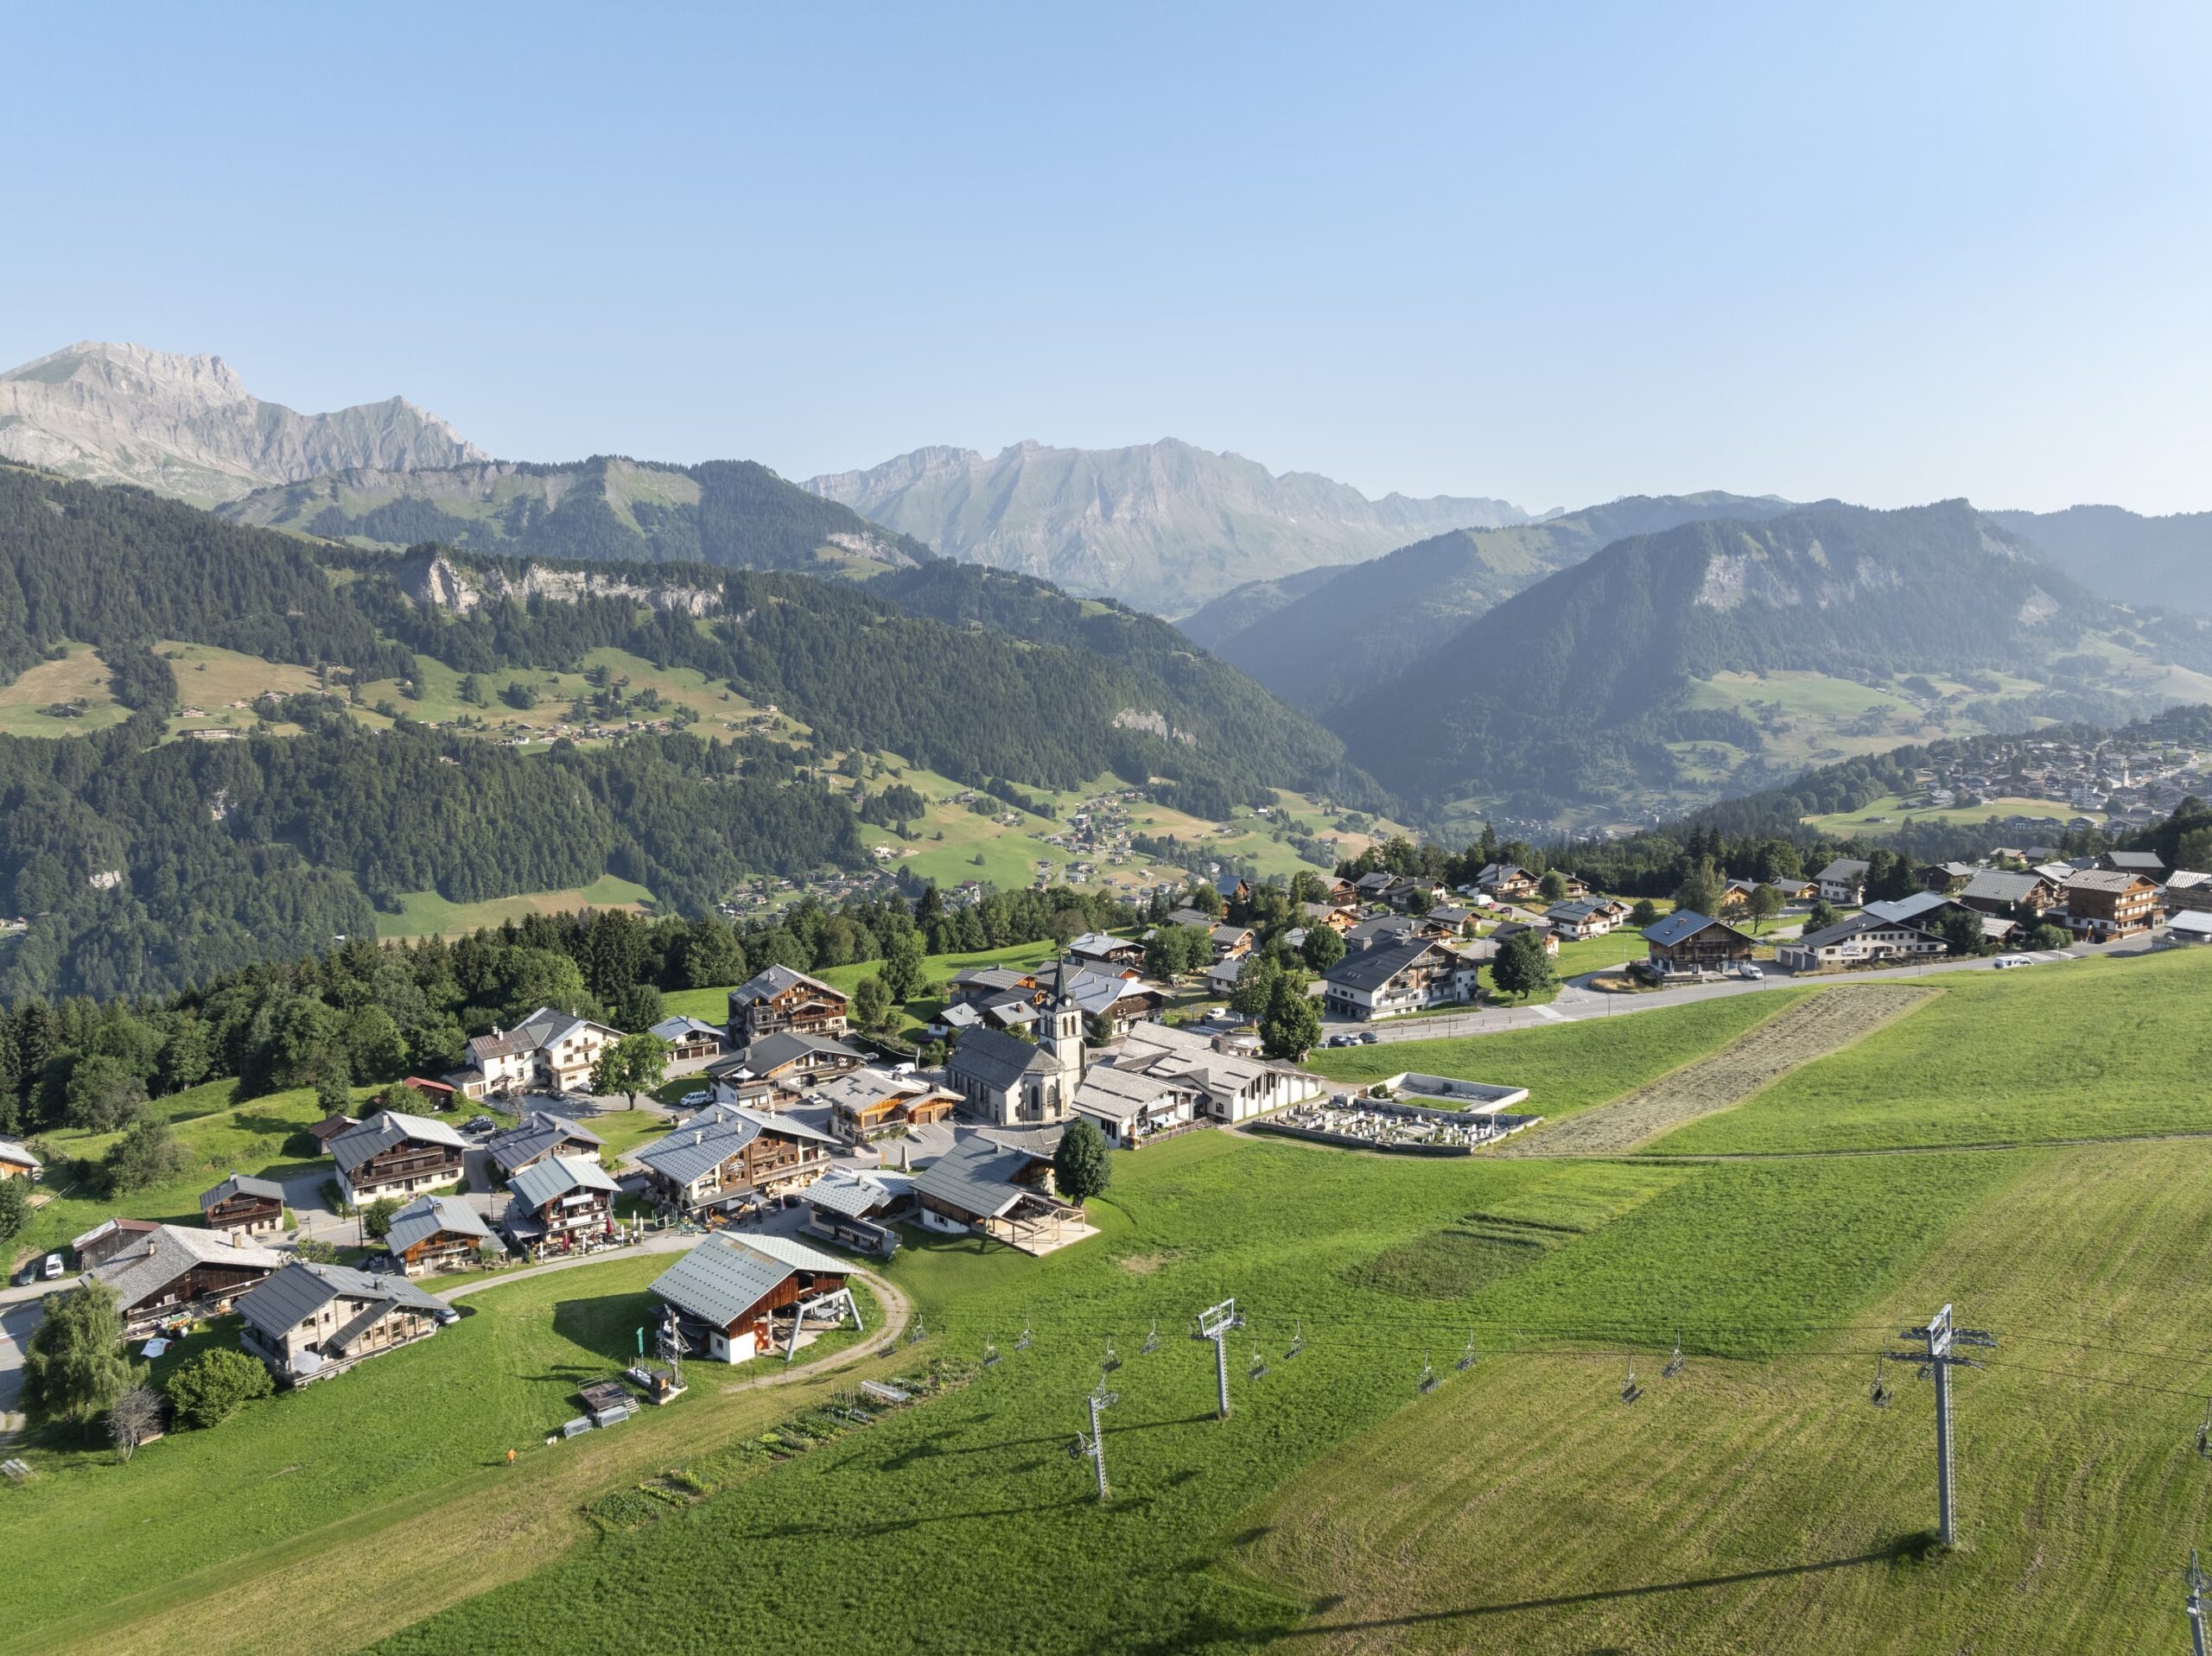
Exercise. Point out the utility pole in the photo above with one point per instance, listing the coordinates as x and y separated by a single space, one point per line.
1941 1338
1094 1444
2197 1585
1216 1323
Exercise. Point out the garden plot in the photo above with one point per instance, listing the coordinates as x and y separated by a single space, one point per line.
1811 1029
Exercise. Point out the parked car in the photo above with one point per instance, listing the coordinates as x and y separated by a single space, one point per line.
480 1124
52 1267
1368 1038
2004 962
692 1100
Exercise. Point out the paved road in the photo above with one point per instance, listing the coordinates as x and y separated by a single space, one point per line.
1576 1001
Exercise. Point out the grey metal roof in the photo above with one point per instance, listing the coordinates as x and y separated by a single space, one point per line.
168 1251
774 980
299 1291
556 1176
725 1277
2103 880
1845 871
854 1195
715 1134
1996 885
2136 862
673 1030
425 1216
996 1058
1370 968
384 1130
1680 926
240 1184
772 1052
536 1134
976 1177
1906 910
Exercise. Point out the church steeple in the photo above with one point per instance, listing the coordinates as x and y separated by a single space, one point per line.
1064 1022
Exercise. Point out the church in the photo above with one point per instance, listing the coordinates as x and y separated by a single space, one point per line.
1004 1081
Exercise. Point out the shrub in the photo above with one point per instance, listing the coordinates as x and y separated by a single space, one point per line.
214 1386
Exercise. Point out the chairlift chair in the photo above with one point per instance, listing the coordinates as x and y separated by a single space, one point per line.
1112 1360
1297 1339
1467 1357
1632 1391
1258 1368
1151 1340
2204 1433
1880 1395
1024 1342
990 1355
920 1330
1675 1364
1429 1381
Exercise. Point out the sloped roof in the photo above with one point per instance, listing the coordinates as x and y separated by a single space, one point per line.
536 1134
1996 885
1680 926
772 1052
2103 880
384 1130
300 1289
1370 968
854 1194
673 1030
996 1058
240 1184
18 1154
976 1177
766 985
1844 871
168 1251
426 1216
1123 1092
1906 910
556 1176
725 1277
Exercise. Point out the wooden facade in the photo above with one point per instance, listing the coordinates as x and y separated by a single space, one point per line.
245 1217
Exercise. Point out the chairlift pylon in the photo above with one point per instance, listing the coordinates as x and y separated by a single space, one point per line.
1151 1340
1429 1380
1676 1363
1297 1339
1632 1391
1880 1395
1467 1357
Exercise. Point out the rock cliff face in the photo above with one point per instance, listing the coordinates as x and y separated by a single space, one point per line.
435 580
187 426
1162 526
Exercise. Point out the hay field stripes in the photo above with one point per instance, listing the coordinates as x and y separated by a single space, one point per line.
1810 1029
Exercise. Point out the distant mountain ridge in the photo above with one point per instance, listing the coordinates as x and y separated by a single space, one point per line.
1335 637
734 514
1574 689
1164 526
2125 554
186 426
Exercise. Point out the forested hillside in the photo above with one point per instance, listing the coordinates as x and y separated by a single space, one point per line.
2126 555
1574 689
734 514
1350 633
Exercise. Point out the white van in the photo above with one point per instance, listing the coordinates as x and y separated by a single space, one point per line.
2004 962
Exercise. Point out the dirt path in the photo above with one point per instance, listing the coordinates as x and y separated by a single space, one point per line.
1811 1029
492 1524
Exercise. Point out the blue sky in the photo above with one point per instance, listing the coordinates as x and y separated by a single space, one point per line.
1553 253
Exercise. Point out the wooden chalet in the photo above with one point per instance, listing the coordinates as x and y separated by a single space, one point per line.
309 1322
1508 883
737 1298
19 1161
438 1233
1995 891
789 1061
561 1204
855 1210
331 1128
394 1154
780 1001
995 1189
2104 903
1389 978
1104 949
242 1208
868 1104
727 1156
109 1238
1687 940
539 1135
437 1095
172 1272
689 1039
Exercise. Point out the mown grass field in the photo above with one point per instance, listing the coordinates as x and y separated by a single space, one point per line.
80 677
1573 1066
424 914
1885 815
2072 1049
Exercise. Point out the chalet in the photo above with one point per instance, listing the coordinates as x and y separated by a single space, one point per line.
1736 895
1394 978
1005 1079
999 1191
242 1208
1992 891
789 1060
2190 926
729 1293
1189 916
2148 864
781 1002
434 1095
1337 916
172 1272
1863 940
1687 940
1948 878
1508 883
2187 891
1222 975
727 1156
855 1210
1370 885
560 1204
868 1104
549 1052
109 1238
1794 888
1844 881
1102 948
689 1039
437 1233
333 1127
1580 921
538 1135
980 984
1115 998
394 1154
1546 933
1231 943
1131 1108
2101 904
1231 1087
1387 929
1229 888
956 1018
308 1322
17 1161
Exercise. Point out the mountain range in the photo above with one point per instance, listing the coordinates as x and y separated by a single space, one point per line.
187 426
1164 526
2124 555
